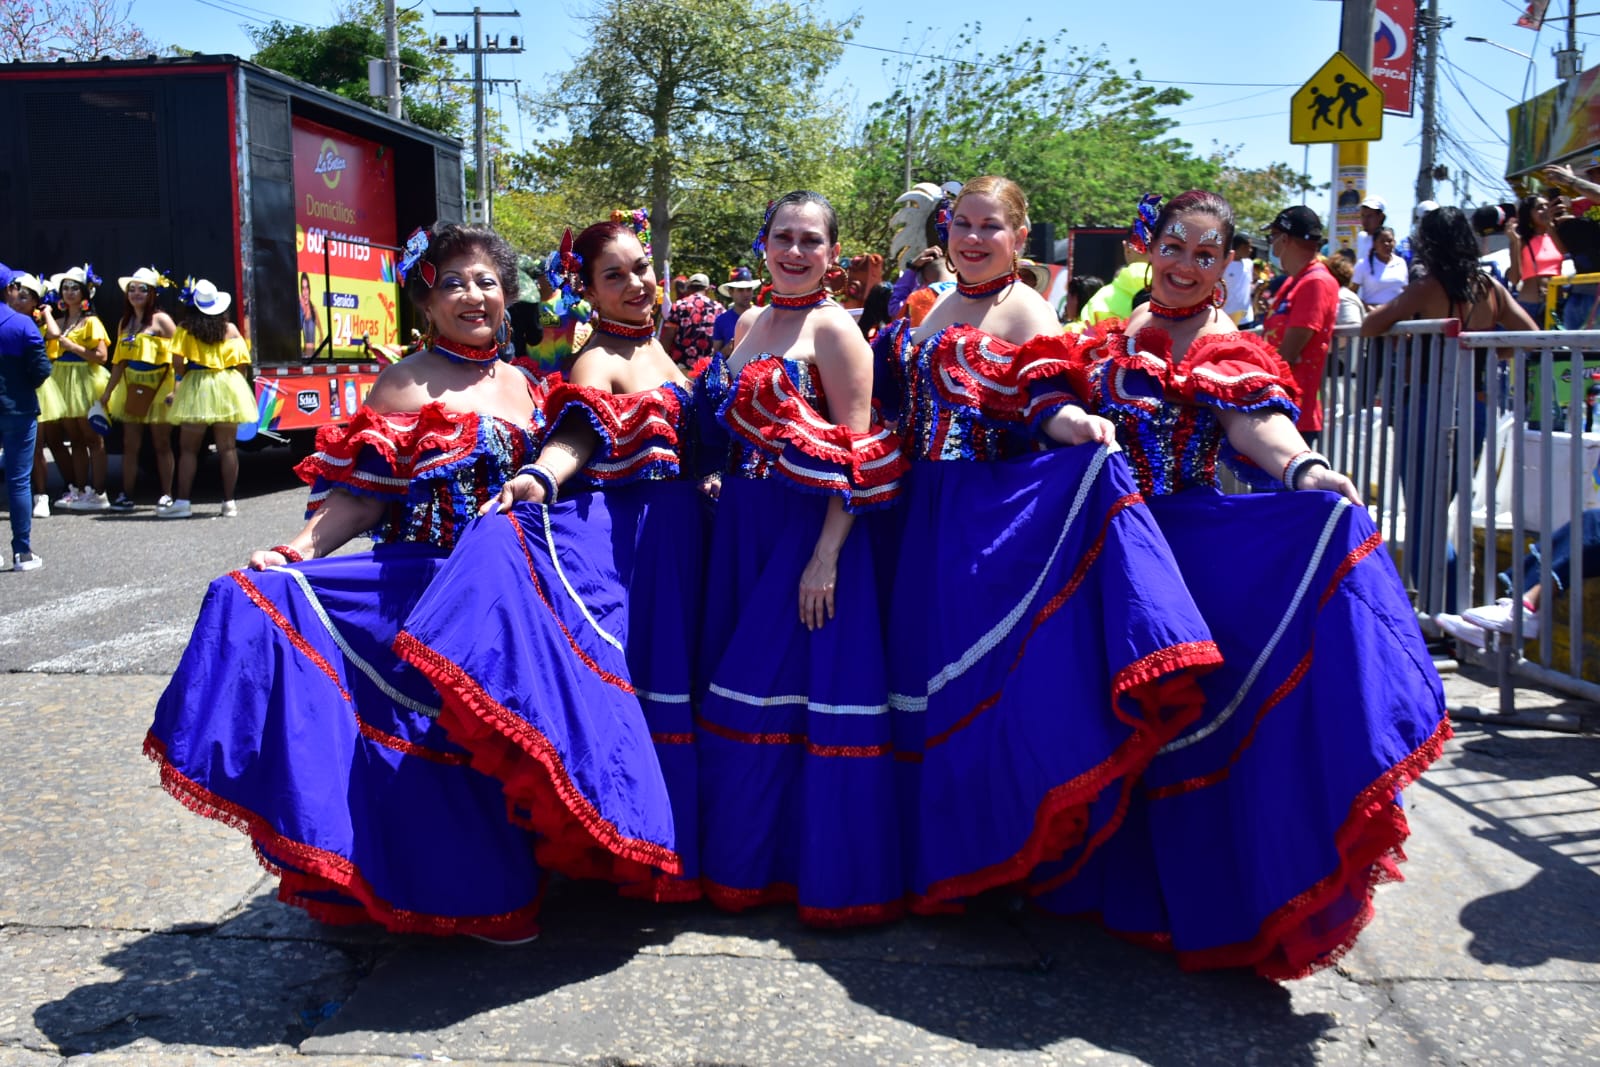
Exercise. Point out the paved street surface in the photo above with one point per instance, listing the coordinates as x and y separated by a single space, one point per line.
133 932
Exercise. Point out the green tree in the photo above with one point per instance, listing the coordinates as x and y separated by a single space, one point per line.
700 112
335 58
1083 136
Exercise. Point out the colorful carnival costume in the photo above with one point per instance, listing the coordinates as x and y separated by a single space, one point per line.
797 786
141 393
1043 646
589 590
1255 837
77 382
291 718
212 390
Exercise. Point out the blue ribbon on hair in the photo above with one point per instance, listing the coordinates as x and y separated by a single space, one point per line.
186 294
1144 222
89 275
759 245
416 248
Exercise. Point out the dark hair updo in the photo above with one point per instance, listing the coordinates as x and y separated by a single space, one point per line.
1197 200
799 197
446 240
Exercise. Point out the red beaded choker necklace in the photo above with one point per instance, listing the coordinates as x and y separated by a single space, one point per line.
976 290
628 331
816 298
460 353
1162 311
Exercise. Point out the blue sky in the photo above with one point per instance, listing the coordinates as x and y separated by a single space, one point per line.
1240 64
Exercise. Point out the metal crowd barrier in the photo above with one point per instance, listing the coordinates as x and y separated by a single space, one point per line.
1447 434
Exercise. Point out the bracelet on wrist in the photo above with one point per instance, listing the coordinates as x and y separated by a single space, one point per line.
547 480
288 553
1299 464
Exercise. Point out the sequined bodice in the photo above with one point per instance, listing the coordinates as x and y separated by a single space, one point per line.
941 419
449 485
744 459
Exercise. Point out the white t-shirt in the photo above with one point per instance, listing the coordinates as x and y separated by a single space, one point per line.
1236 276
1379 282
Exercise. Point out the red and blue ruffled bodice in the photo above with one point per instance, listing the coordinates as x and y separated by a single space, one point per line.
433 468
770 416
962 394
1167 414
644 437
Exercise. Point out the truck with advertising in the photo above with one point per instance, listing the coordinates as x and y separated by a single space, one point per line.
292 198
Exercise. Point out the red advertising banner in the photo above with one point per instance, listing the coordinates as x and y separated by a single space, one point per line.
344 203
1394 53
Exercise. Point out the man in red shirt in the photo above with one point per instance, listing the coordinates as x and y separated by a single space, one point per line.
1303 309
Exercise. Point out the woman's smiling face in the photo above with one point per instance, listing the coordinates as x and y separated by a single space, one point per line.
1187 259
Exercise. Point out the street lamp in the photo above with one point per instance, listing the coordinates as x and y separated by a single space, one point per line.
1502 47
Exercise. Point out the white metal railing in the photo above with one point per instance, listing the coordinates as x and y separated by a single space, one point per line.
1446 433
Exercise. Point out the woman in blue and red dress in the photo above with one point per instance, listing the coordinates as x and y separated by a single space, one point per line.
291 718
1256 836
796 756
1043 646
634 553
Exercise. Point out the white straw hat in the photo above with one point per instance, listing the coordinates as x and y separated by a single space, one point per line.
207 299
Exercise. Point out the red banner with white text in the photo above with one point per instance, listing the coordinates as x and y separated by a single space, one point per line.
344 204
1394 53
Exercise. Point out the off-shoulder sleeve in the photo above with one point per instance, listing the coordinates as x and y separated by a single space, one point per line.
767 409
639 432
1239 372
371 456
1054 372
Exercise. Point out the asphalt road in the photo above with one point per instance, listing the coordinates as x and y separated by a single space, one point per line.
118 593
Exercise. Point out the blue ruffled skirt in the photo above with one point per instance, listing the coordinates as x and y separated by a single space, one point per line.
797 794
1044 647
1256 837
660 531
290 718
522 634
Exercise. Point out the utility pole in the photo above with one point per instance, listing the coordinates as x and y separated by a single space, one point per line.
1430 26
1569 60
481 46
909 129
391 57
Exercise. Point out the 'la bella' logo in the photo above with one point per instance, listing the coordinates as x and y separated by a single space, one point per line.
330 164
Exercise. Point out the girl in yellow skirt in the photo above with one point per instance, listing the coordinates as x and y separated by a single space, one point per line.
211 359
77 344
27 297
141 378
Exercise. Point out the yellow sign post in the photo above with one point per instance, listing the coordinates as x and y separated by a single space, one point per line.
1338 103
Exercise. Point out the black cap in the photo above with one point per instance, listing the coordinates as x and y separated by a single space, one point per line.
1298 221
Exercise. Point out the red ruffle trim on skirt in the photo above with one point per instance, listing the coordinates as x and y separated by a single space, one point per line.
325 872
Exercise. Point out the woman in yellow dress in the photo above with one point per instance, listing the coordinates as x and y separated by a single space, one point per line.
141 378
210 361
26 296
77 343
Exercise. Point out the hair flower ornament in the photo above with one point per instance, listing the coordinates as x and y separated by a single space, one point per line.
759 245
1144 223
416 248
943 210
186 294
89 275
639 220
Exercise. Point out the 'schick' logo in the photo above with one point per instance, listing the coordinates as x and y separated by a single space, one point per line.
330 164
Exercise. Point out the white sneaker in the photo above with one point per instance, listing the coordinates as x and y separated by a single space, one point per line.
1462 630
69 498
27 561
177 509
41 506
230 510
1497 616
89 500
163 502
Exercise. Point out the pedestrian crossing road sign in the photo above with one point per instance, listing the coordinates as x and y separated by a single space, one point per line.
1338 103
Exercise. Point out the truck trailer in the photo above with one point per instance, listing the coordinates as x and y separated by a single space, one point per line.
292 198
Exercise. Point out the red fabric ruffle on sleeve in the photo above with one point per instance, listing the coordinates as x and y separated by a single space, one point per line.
638 431
1237 370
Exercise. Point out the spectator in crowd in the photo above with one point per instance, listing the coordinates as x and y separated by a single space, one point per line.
1115 301
1536 254
921 285
1489 221
875 310
1304 307
25 294
1470 625
740 289
686 333
1381 273
23 368
1236 279
560 316
1374 212
1351 310
1408 242
1080 287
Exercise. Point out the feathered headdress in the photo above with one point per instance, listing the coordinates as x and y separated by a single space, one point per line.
416 248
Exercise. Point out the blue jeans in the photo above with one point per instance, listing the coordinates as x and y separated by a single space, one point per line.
17 436
1561 555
